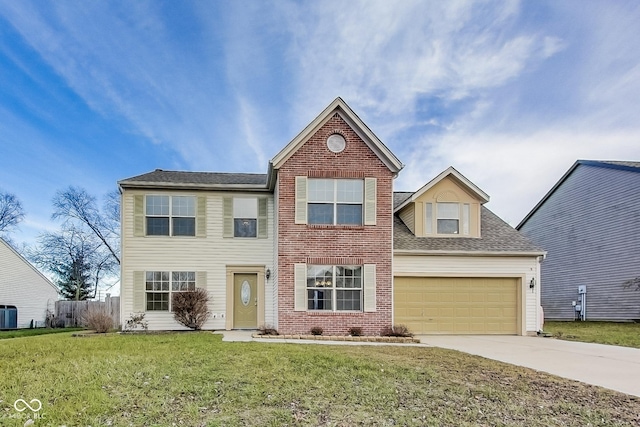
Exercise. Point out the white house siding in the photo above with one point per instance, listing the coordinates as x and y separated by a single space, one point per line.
479 266
24 287
211 254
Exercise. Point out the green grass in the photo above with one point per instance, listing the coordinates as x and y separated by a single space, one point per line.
194 379
623 334
18 333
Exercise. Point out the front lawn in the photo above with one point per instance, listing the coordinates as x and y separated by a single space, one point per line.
624 334
194 379
17 333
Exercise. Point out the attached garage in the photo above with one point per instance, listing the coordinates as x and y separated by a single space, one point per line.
458 305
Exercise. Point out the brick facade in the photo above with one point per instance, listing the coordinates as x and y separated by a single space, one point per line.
337 245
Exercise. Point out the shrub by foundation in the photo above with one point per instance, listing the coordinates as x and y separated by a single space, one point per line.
190 308
396 331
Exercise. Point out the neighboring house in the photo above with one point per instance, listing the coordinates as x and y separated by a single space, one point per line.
589 222
310 243
25 293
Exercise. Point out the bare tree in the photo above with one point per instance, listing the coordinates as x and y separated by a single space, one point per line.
11 212
76 258
77 206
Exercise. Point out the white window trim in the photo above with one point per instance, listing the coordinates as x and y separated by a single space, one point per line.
170 292
334 290
255 200
171 216
431 220
335 201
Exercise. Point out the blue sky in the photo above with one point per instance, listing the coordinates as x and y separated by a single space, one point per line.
509 93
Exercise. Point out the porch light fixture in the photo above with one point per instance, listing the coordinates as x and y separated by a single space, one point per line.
267 274
532 283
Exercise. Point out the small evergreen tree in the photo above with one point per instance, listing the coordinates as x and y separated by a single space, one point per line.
74 279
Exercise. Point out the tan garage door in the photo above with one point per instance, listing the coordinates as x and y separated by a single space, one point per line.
446 305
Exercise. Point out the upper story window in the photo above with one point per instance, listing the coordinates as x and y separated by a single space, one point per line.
450 218
448 221
245 217
171 215
335 201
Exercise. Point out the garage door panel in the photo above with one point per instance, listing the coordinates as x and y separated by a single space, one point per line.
457 305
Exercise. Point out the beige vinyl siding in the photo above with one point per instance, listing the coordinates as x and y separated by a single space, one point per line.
525 268
22 286
407 215
447 190
208 256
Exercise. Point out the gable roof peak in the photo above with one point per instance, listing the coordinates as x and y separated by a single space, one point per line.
623 165
338 106
450 171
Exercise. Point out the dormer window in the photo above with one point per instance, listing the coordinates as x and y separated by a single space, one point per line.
448 219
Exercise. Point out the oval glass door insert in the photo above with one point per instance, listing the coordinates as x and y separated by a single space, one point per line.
245 293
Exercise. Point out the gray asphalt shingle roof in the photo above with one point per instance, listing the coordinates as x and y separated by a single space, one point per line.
497 236
160 176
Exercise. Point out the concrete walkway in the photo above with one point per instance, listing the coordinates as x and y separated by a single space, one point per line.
616 368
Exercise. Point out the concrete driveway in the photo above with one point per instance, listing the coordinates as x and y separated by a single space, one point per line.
616 368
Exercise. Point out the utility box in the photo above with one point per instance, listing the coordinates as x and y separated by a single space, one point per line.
582 289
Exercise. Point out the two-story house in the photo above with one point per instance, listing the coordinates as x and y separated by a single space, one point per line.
311 243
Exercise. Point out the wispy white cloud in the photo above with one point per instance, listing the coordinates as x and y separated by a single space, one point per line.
509 97
515 169
384 58
386 61
123 62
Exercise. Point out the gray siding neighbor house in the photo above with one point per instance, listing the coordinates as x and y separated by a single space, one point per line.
589 224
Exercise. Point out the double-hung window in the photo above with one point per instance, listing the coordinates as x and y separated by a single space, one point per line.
335 201
161 285
450 218
334 287
171 215
245 217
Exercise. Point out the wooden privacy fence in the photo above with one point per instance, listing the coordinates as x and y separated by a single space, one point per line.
71 312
